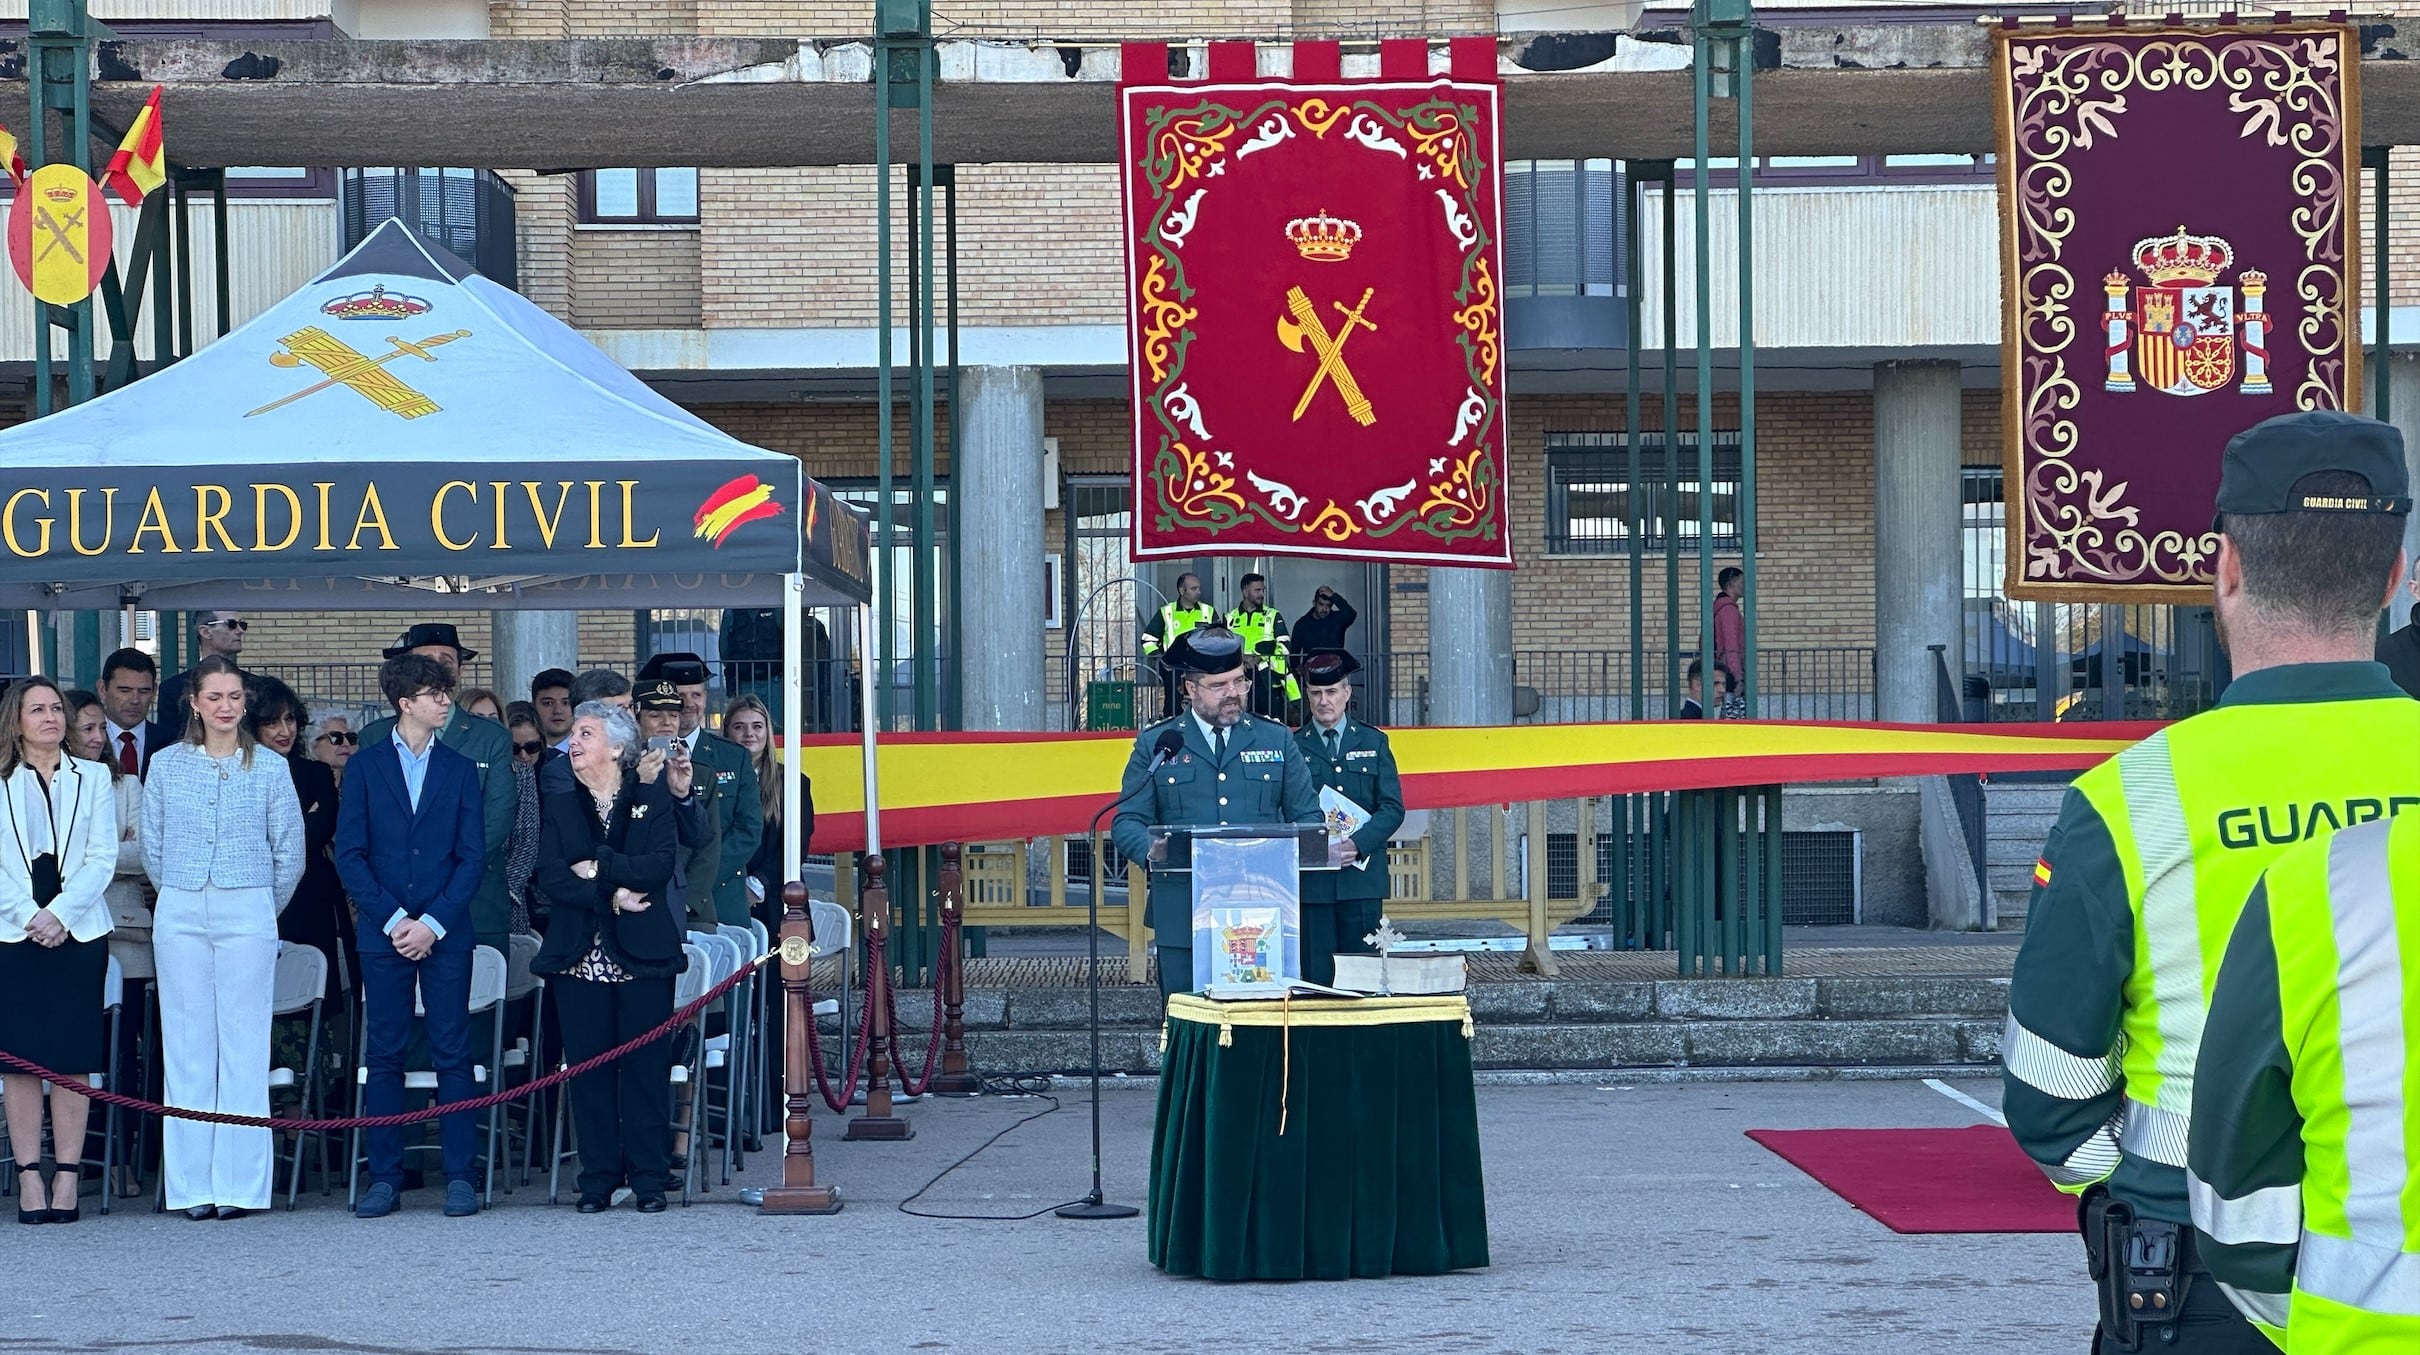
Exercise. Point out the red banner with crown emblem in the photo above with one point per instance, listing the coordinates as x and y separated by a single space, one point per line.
2180 260
1314 321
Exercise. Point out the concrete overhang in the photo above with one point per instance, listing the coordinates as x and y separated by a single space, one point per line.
1872 88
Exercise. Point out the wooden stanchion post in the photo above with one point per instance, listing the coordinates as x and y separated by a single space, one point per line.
878 1122
955 1077
798 1193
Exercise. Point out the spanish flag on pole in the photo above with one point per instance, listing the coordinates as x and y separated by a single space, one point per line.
141 163
8 153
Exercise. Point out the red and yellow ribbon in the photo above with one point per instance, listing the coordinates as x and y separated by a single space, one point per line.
997 787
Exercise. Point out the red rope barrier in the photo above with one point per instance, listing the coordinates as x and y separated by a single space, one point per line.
865 1030
932 1045
531 1088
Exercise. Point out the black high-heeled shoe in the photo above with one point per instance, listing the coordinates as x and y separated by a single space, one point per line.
30 1216
202 1213
70 1215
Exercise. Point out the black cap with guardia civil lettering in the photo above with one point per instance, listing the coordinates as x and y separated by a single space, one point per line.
2264 462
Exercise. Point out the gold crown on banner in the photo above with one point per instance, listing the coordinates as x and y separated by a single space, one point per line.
71 192
1324 238
2195 259
375 304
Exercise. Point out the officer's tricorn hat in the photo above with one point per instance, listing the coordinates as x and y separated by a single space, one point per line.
681 667
2264 462
1208 650
1328 667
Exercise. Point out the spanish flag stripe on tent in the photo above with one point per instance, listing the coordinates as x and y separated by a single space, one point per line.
972 787
141 163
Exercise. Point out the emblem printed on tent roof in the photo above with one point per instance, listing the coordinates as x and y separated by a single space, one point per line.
377 304
366 376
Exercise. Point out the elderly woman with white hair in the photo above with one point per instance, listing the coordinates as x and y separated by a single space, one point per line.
613 944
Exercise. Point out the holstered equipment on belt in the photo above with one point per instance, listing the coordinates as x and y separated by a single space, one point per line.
2140 1270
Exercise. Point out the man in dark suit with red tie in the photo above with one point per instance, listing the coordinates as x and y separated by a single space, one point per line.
129 679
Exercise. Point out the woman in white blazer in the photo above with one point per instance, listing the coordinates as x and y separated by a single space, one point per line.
58 852
223 843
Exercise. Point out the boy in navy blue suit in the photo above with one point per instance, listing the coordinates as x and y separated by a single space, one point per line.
411 846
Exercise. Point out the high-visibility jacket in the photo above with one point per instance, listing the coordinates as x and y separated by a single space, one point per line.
1263 626
2138 891
1172 621
2305 1161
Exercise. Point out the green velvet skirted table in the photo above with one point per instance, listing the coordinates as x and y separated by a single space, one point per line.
1317 1139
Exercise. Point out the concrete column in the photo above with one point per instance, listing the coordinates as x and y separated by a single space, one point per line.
998 470
2403 410
529 643
1470 668
1917 543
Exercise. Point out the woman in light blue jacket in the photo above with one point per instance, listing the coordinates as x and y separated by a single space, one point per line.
223 843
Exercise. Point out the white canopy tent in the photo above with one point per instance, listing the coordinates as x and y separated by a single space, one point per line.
402 432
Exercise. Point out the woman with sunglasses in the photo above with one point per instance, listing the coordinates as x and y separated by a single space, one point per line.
333 742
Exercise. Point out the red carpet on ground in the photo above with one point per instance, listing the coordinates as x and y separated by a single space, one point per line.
1973 1180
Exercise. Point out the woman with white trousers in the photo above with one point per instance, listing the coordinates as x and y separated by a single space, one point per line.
223 843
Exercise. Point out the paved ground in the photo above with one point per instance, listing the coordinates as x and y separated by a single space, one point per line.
1623 1218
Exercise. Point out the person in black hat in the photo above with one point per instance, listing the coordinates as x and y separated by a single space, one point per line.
489 746
1230 769
1340 908
657 702
739 812
2156 851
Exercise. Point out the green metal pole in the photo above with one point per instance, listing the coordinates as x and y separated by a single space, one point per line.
2384 313
1667 520
79 154
928 630
1630 438
1710 706
1747 374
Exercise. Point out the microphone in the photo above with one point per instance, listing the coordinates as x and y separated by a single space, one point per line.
1164 750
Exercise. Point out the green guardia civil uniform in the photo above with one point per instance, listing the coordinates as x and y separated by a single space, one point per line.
2138 890
2304 1163
1340 908
1261 778
740 825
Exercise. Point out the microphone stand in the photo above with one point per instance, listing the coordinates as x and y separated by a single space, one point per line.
1094 1205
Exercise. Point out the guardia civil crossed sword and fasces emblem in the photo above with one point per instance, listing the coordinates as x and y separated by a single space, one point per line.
2180 330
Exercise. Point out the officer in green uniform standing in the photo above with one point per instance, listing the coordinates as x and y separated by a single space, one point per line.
1340 908
2303 1154
1169 625
1264 635
2156 850
1231 769
740 811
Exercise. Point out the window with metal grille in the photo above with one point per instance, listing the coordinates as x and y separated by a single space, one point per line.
638 197
1101 600
468 212
1591 503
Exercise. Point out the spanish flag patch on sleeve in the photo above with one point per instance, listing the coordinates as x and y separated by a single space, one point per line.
2041 873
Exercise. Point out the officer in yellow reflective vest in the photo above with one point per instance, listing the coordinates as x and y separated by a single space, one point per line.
1167 626
2156 850
1264 635
2304 1167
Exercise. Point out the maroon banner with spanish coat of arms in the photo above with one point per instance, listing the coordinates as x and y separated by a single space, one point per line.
2180 260
1315 329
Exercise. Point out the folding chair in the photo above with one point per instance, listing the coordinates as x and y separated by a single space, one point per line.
747 1063
519 1063
487 993
689 1070
716 1053
299 984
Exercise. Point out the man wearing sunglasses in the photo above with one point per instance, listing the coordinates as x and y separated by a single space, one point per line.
220 633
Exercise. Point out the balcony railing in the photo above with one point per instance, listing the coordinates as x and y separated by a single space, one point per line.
466 211
1576 686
